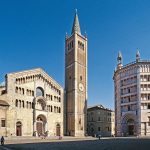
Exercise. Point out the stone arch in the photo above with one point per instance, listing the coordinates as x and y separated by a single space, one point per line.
128 125
41 104
39 91
41 124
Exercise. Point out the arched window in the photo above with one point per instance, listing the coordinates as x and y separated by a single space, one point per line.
16 89
59 110
19 90
55 109
32 105
39 91
23 104
59 99
22 91
20 103
32 93
27 104
16 103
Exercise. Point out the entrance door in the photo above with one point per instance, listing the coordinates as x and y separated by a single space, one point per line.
18 129
131 129
39 128
58 130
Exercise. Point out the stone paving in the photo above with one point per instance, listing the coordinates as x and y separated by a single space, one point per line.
88 143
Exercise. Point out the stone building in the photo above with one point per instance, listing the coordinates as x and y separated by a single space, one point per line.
100 121
76 81
31 103
132 97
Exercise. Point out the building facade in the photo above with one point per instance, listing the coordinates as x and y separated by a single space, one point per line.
132 97
100 121
76 81
31 103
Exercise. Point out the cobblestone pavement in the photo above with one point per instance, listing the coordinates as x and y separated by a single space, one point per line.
81 144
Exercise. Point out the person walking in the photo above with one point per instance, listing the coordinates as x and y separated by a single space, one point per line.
2 140
99 136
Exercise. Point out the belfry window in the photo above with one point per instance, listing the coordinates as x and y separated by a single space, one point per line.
80 45
70 45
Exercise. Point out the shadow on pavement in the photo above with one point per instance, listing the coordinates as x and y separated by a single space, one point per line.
103 144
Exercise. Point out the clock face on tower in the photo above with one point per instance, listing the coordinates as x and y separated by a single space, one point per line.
81 87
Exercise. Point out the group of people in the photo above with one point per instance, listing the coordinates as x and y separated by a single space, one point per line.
2 140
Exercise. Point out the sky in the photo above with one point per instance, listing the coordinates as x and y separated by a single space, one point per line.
32 35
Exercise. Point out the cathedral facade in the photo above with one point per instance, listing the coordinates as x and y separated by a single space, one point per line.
31 104
34 104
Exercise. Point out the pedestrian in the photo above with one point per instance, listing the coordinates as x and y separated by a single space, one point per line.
99 136
60 137
2 140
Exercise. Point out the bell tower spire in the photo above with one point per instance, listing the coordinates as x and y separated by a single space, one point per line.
76 25
76 81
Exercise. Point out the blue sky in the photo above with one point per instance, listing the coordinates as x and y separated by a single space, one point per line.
32 34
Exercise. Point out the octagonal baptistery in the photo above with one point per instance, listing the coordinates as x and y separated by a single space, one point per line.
31 104
132 97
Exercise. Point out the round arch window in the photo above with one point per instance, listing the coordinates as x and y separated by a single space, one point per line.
39 91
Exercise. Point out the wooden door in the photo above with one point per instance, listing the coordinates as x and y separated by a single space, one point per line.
58 130
18 130
39 128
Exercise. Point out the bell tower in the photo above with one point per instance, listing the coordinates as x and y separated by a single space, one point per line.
76 81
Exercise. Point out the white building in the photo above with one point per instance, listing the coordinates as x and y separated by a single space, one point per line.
31 103
132 97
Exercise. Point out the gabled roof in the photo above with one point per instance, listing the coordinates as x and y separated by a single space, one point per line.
34 71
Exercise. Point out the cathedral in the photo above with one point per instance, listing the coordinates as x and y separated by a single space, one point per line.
33 104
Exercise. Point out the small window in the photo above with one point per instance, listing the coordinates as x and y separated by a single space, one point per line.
148 106
16 104
3 123
129 99
80 78
99 129
129 108
128 90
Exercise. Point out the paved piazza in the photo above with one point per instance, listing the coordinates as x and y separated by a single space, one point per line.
78 144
